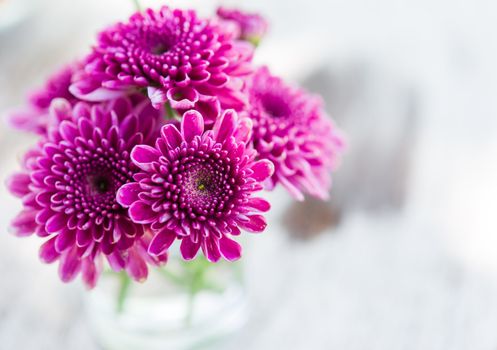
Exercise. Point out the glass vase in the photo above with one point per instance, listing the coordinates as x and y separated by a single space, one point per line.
184 305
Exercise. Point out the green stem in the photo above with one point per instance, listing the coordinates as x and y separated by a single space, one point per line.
190 306
137 5
125 284
196 275
192 278
179 280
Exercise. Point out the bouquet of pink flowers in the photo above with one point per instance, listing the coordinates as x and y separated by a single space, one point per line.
164 132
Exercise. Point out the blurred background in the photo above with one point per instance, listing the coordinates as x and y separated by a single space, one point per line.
404 256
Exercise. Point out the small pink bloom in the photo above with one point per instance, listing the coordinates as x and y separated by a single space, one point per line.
197 186
172 55
292 130
248 26
35 117
68 187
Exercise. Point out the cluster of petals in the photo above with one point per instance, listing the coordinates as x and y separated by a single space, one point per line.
248 26
175 57
198 186
68 189
292 130
35 117
115 179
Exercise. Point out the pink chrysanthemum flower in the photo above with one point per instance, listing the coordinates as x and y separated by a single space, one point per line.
198 186
292 130
35 117
175 56
249 26
69 184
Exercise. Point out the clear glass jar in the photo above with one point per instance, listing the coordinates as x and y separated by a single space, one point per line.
184 305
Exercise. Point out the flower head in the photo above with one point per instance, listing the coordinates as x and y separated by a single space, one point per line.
69 186
175 56
292 130
198 186
249 26
35 117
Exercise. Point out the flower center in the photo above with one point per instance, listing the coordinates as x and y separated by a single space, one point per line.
160 49
205 187
95 184
275 106
156 42
198 183
98 184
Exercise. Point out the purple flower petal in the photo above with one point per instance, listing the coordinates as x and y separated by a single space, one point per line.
44 199
192 125
141 213
123 226
291 188
263 169
18 184
83 238
157 97
70 265
56 223
93 94
128 127
85 128
259 204
43 215
230 249
65 239
210 110
116 262
210 248
172 136
136 267
225 126
28 119
60 109
143 156
128 194
188 248
68 131
256 224
244 131
48 253
182 97
90 271
161 242
24 223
